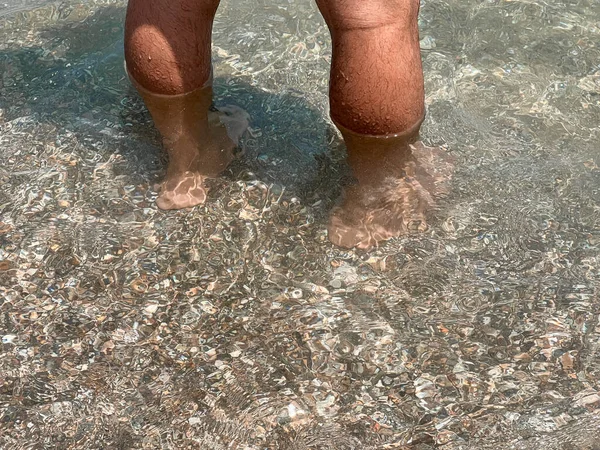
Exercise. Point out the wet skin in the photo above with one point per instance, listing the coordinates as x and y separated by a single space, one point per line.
376 99
200 143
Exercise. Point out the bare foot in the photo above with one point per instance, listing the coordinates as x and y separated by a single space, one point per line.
205 154
391 197
184 190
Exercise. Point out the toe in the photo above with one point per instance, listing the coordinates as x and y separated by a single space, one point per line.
183 192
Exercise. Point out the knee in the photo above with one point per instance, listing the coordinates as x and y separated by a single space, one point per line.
344 15
167 43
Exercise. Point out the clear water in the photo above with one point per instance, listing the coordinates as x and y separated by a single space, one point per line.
237 325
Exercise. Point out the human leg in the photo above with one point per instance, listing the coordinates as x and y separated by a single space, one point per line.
377 102
376 83
168 57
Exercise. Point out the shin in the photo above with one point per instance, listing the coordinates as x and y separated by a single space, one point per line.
168 58
376 85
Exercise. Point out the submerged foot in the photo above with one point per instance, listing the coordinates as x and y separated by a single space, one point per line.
391 203
182 191
205 153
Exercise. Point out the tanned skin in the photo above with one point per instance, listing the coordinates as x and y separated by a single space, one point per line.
376 99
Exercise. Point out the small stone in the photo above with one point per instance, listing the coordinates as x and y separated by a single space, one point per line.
8 338
377 263
296 293
424 388
587 398
427 43
249 214
107 346
326 407
347 274
370 289
336 283
138 285
208 307
151 309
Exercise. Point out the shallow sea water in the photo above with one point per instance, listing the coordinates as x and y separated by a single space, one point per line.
237 325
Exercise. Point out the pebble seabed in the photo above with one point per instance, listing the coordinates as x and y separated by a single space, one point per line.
237 325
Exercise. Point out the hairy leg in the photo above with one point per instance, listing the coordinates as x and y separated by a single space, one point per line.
376 85
168 56
377 102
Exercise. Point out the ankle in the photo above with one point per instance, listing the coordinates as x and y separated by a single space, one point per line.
376 157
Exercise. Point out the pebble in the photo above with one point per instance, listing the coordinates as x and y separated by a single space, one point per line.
336 283
427 43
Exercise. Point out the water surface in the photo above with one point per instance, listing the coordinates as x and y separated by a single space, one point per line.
237 325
